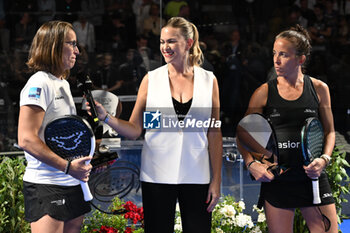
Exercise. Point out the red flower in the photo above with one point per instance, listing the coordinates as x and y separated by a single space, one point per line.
105 229
128 230
135 214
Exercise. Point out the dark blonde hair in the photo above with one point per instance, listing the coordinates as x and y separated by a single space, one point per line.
45 53
188 31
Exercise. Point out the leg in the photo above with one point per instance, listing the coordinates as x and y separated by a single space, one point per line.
159 201
194 215
73 225
278 219
318 223
47 224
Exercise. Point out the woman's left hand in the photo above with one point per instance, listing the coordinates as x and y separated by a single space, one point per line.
213 195
314 169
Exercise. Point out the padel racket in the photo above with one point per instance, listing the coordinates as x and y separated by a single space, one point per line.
257 135
312 147
71 137
120 180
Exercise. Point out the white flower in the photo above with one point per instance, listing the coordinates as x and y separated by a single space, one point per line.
218 230
178 227
177 207
241 204
178 220
178 224
261 217
256 229
243 220
228 211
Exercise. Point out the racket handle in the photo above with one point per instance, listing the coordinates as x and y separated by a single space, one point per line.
86 190
85 187
316 191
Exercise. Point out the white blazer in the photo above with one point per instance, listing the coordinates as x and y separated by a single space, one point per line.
177 155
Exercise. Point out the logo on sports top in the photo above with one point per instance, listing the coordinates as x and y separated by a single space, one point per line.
34 92
152 120
288 145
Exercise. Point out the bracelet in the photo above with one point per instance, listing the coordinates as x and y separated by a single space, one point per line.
66 170
326 158
262 157
251 162
106 119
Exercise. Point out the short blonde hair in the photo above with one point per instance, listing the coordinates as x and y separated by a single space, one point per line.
45 53
188 30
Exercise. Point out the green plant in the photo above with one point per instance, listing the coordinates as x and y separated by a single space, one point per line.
11 196
339 180
340 185
123 223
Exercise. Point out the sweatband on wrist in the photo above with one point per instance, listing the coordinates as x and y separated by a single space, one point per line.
326 158
66 170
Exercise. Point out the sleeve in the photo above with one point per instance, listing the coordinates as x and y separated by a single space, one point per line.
36 92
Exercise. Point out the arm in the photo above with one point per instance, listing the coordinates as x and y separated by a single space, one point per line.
132 128
215 152
326 117
116 86
256 104
29 123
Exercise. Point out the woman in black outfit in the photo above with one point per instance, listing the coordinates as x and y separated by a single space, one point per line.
287 101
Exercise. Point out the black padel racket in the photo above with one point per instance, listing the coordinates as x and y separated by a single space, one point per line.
256 134
312 147
71 137
119 180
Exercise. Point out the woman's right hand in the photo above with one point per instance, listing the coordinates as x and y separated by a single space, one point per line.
80 169
260 173
100 110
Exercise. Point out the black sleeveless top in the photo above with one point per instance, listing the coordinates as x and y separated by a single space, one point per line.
181 109
287 117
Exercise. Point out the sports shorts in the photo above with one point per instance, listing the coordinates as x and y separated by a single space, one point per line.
294 194
59 202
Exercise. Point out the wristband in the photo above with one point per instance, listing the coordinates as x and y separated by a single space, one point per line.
326 158
262 157
251 162
66 170
107 117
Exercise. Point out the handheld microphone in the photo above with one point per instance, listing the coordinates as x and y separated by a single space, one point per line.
85 84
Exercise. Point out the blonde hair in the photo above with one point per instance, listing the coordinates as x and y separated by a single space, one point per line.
188 31
45 53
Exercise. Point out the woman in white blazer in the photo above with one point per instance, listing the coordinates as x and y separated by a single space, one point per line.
182 152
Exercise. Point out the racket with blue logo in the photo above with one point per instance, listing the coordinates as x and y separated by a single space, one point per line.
71 137
312 140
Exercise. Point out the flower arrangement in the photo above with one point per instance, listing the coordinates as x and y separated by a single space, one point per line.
228 217
129 222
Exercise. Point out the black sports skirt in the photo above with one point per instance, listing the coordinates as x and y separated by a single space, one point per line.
59 202
294 194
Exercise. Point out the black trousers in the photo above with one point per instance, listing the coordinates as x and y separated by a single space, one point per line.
159 203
